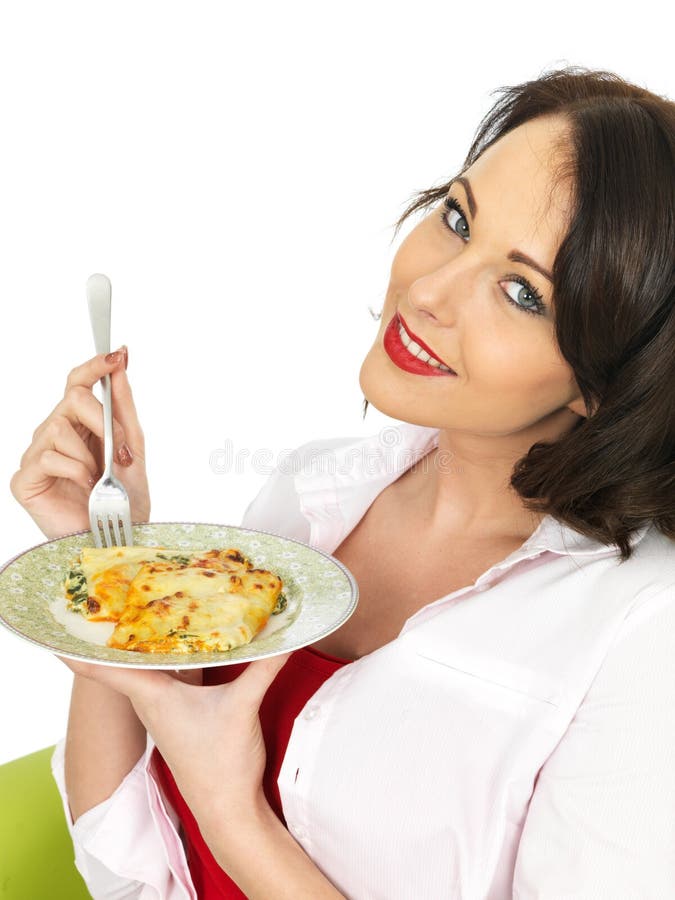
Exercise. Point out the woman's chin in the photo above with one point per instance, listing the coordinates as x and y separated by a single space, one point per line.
378 387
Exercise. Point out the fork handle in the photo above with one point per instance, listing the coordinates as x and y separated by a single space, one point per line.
99 293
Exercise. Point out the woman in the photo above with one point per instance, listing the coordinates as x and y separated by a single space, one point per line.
497 717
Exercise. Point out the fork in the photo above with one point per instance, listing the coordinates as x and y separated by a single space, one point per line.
108 501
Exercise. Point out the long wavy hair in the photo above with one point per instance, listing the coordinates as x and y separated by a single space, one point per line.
614 291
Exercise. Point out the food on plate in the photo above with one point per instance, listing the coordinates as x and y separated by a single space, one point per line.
98 582
163 599
216 601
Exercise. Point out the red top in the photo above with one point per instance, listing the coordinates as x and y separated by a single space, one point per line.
300 678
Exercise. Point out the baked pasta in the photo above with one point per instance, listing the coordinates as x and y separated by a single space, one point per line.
162 599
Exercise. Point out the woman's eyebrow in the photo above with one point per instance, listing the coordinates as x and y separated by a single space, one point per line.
517 256
514 255
473 206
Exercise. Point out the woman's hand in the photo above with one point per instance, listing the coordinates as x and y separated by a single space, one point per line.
65 458
212 741
210 736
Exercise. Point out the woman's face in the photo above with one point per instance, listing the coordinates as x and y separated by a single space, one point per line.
460 284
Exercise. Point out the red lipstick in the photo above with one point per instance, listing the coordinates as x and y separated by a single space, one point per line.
399 354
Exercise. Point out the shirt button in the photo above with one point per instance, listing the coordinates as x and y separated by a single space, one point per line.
312 711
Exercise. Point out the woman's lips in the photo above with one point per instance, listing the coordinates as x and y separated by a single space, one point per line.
419 340
402 357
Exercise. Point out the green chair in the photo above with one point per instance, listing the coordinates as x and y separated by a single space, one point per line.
36 853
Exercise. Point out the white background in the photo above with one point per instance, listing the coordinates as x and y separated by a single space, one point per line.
235 169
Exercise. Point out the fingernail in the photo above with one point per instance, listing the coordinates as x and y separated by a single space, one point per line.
113 358
91 482
126 355
124 456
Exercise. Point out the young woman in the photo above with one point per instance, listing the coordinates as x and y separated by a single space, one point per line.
497 718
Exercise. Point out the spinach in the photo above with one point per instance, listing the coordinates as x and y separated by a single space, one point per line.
281 604
181 560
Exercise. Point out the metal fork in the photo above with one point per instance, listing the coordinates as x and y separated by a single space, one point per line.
108 501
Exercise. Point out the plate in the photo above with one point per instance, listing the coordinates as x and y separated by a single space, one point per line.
321 592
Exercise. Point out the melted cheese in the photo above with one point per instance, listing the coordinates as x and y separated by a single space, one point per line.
214 603
173 600
108 572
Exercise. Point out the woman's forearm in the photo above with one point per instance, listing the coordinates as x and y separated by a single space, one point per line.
264 860
105 740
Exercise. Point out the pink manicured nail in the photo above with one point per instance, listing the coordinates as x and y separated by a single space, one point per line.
124 455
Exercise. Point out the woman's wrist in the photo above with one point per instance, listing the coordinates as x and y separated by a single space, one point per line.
227 824
261 857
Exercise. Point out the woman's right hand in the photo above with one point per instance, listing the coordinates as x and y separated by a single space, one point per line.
65 459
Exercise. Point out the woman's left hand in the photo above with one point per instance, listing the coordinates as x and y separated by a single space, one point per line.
209 736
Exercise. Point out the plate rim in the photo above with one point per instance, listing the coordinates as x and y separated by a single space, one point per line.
347 613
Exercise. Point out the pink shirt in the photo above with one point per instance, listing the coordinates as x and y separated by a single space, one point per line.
515 740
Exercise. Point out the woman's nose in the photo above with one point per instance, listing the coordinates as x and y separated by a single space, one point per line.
441 294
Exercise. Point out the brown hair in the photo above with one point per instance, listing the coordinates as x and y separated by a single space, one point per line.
614 291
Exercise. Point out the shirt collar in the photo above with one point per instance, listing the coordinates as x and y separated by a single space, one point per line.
337 485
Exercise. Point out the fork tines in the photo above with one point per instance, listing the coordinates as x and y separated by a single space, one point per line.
118 524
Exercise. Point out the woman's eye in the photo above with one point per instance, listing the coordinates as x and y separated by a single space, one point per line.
454 218
518 291
522 296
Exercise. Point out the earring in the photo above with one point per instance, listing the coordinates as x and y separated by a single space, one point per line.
375 315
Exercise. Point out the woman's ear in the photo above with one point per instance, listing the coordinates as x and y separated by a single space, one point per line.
579 407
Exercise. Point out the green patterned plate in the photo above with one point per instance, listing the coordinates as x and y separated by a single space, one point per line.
321 593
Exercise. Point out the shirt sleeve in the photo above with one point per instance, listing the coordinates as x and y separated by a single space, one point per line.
601 821
127 848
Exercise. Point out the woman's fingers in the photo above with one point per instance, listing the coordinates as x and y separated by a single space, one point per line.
257 677
68 443
82 408
84 377
78 407
59 452
58 435
149 686
80 383
132 682
125 411
88 373
35 477
66 451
